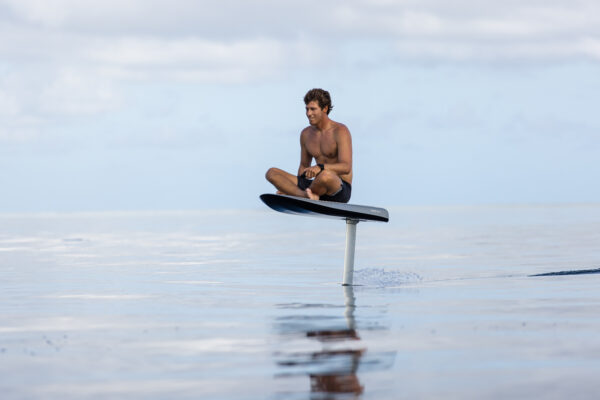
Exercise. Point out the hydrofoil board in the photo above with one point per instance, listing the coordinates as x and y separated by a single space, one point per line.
321 208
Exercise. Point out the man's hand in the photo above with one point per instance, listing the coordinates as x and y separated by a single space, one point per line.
311 172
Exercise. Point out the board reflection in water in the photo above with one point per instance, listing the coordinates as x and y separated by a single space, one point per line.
333 366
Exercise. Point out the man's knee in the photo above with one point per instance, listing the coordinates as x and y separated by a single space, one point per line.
272 173
328 177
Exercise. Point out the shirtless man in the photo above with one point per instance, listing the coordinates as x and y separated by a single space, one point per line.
327 142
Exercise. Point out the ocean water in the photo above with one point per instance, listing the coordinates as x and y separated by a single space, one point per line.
247 304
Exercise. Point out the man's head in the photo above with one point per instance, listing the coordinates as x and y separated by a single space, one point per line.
321 96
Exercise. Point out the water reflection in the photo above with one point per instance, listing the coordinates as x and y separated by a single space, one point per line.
331 367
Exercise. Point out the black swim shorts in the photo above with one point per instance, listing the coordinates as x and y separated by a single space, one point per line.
342 195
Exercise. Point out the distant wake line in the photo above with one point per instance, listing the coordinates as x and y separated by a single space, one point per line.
379 277
574 272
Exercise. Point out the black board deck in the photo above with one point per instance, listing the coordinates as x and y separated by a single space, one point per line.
320 208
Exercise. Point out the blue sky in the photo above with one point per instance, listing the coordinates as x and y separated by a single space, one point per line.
169 105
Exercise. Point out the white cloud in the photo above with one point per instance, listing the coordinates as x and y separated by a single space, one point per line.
62 13
590 46
9 105
69 57
201 24
475 30
78 92
196 59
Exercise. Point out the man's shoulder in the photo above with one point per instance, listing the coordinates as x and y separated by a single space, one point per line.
306 131
341 128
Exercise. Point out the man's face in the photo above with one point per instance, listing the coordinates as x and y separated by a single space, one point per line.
314 113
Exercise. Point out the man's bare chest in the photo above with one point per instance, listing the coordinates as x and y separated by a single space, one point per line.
324 146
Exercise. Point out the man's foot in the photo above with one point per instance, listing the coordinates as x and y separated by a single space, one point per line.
311 195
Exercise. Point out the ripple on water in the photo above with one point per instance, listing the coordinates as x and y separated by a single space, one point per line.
380 277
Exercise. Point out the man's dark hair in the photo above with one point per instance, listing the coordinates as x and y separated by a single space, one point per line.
321 96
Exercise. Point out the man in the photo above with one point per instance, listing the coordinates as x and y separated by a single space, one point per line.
327 142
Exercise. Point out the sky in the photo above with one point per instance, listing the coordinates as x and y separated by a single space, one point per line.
184 105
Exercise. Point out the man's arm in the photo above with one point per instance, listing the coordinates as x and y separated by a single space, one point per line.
305 157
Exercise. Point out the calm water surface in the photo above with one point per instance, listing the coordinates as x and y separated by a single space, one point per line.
248 305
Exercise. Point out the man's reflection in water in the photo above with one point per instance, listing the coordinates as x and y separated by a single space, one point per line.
339 382
331 371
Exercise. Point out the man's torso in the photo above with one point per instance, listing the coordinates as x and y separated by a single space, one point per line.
322 145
